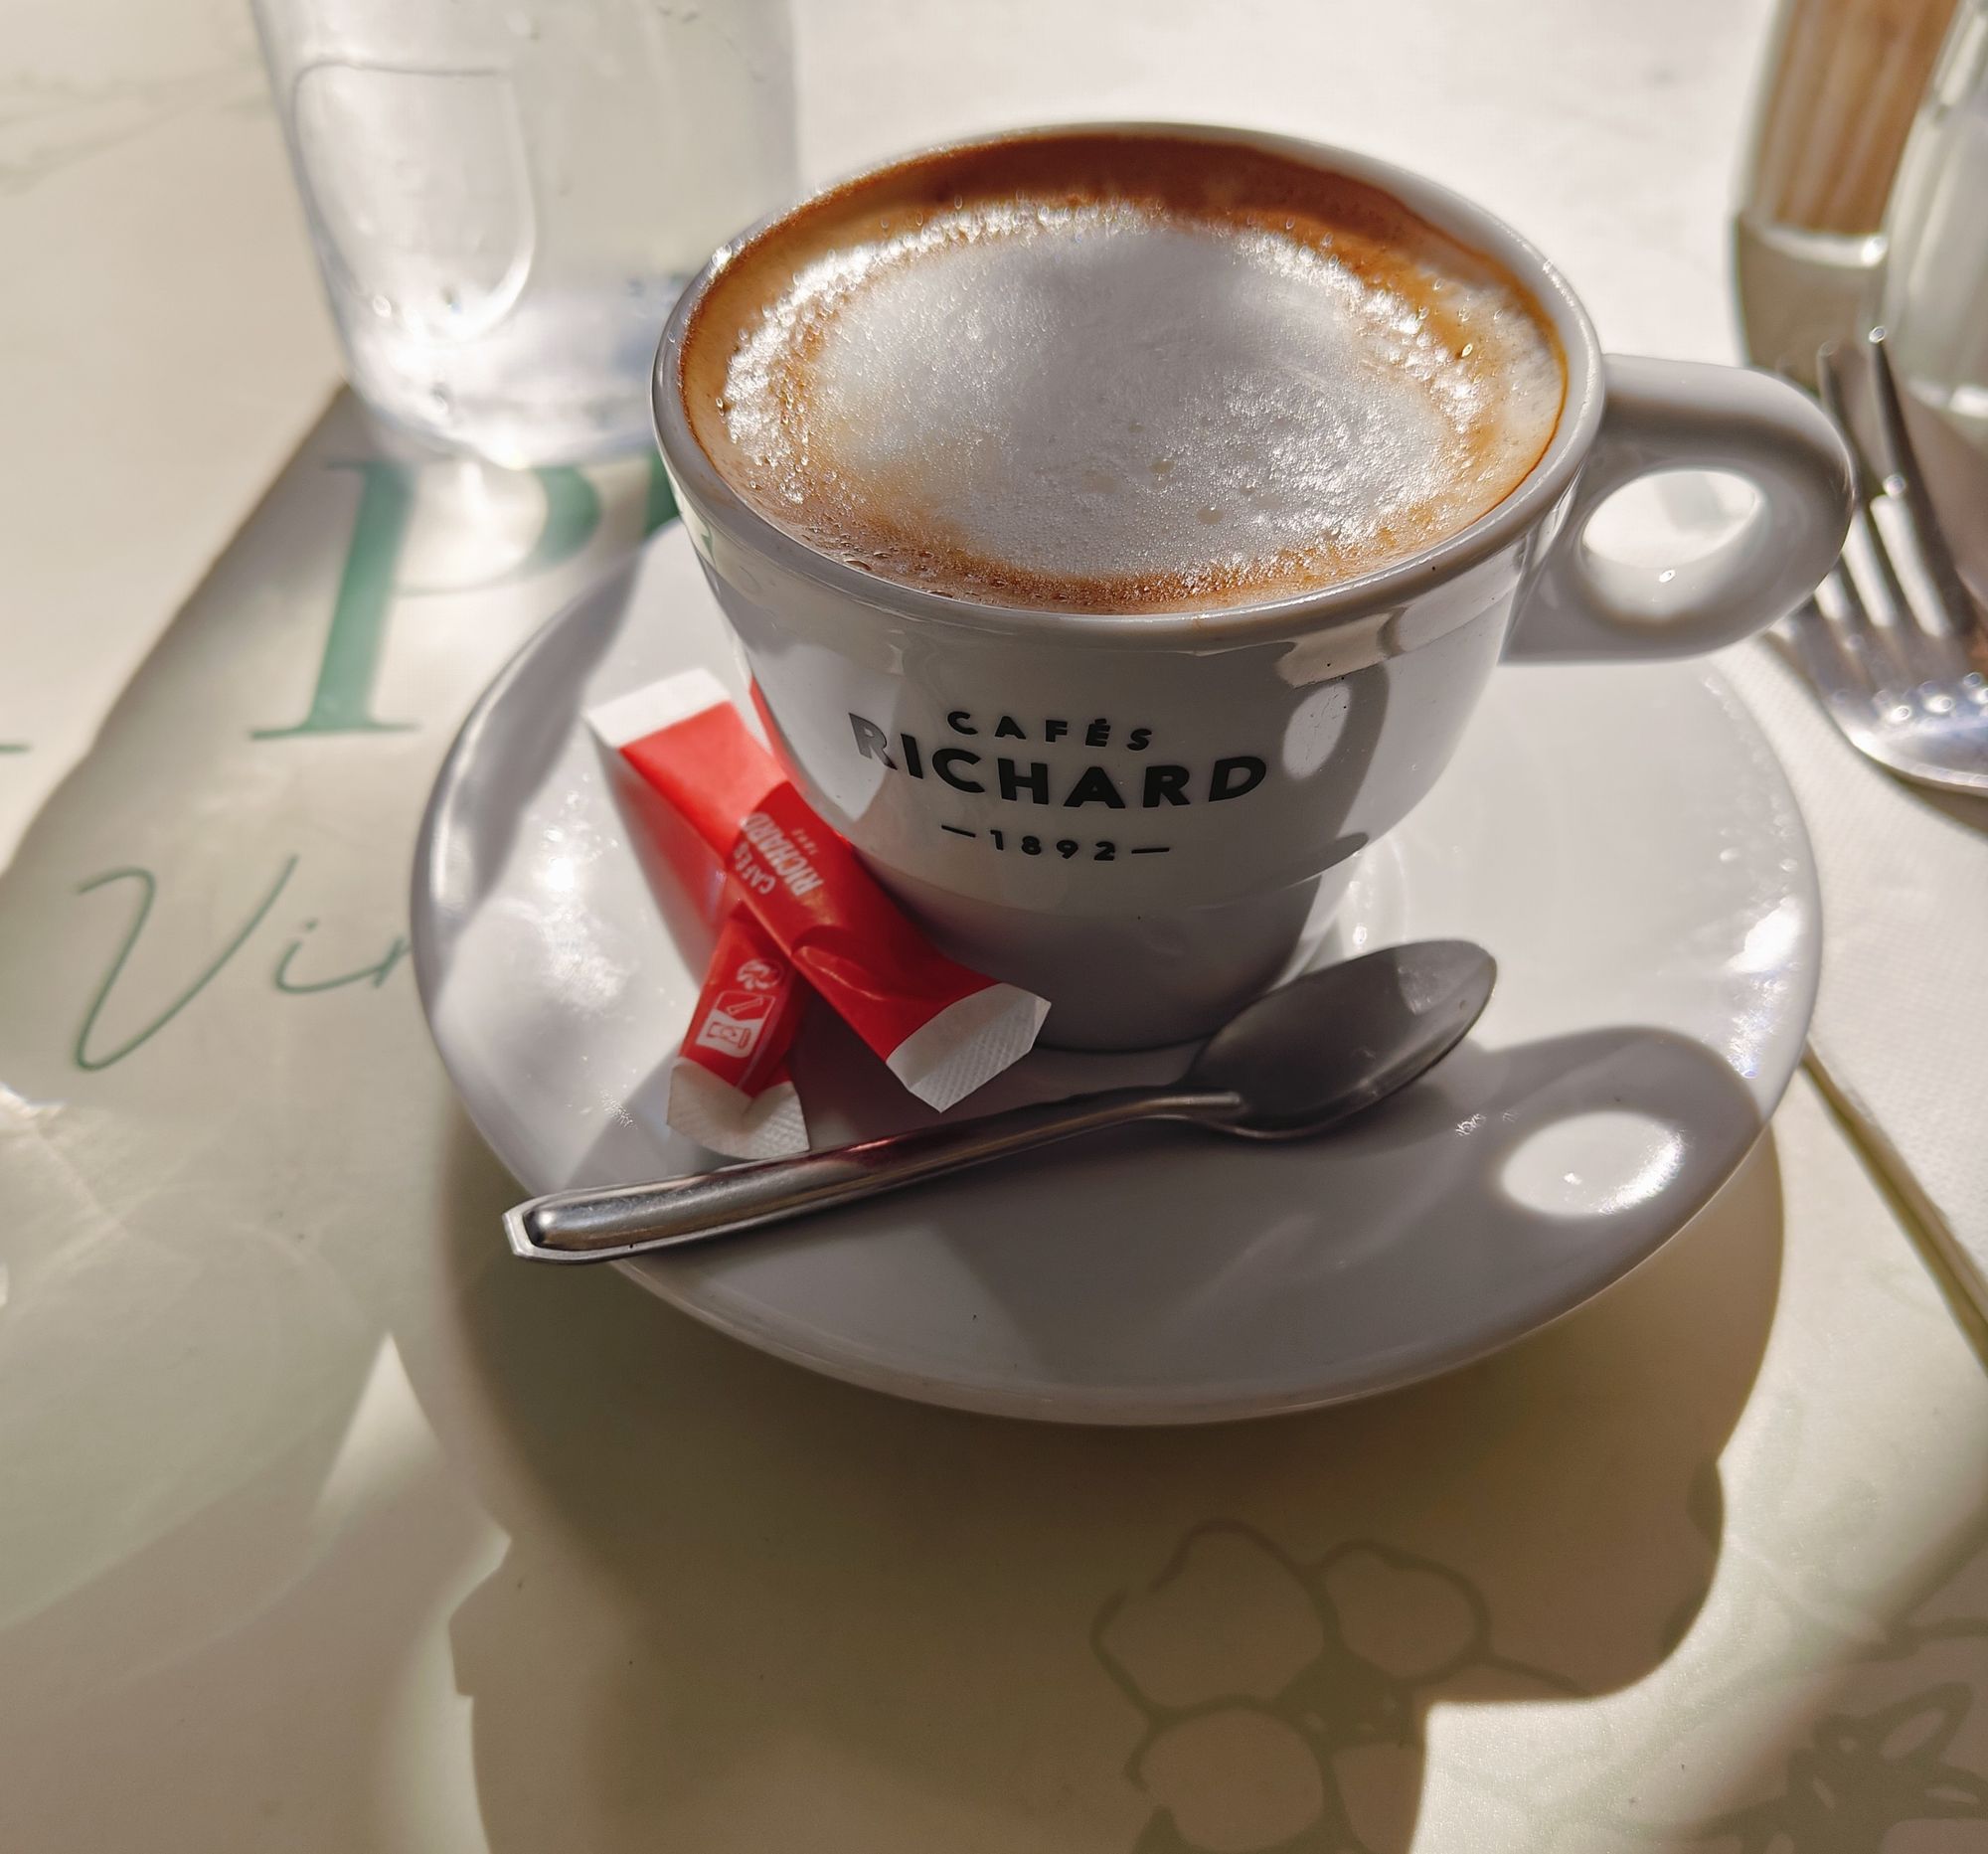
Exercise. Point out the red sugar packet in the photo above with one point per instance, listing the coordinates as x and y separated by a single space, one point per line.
941 1029
729 1089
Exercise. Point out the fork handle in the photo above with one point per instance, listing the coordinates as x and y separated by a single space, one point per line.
1662 416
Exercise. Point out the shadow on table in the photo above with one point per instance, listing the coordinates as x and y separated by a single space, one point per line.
746 1606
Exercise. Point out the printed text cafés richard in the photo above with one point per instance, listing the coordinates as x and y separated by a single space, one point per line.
975 759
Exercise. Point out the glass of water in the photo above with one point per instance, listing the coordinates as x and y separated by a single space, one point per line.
506 196
1935 302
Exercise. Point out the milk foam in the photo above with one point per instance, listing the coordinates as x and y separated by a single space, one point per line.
1106 405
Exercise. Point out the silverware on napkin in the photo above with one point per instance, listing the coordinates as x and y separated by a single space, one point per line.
1891 639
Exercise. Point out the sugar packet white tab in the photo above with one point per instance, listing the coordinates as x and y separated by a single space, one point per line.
944 1030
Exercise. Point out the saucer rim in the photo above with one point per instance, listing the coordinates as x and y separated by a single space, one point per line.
1134 1406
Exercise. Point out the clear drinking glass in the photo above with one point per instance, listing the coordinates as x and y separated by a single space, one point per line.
1935 300
507 196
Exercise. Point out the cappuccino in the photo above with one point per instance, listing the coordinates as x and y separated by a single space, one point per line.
1117 373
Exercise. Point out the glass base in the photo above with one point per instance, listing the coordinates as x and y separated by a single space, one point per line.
564 378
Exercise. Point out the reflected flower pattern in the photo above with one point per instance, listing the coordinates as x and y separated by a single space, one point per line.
1859 1776
1257 1675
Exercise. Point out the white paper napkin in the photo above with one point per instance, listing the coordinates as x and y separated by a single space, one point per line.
1900 1036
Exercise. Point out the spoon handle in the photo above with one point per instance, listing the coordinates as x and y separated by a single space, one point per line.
630 1220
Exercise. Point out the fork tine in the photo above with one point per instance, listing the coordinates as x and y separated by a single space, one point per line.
1873 611
1870 663
1898 467
1858 636
1835 657
1829 379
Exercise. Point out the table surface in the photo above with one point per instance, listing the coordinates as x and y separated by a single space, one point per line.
326 1526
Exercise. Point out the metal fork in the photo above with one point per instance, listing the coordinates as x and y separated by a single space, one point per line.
1891 638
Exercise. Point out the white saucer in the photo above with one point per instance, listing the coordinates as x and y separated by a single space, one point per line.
1621 839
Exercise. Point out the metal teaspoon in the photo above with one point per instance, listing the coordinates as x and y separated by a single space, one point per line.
1297 1061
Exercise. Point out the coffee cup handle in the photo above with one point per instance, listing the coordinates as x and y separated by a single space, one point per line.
1688 416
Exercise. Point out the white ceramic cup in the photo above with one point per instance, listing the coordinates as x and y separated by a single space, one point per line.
1141 816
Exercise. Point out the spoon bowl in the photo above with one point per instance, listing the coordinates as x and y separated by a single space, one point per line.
1327 1046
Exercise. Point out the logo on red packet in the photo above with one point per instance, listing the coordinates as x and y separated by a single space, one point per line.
735 1022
